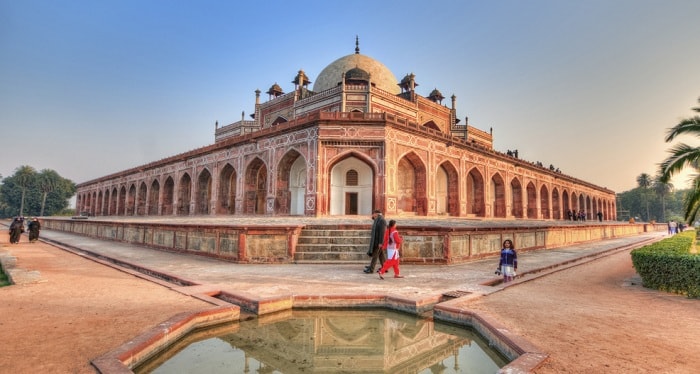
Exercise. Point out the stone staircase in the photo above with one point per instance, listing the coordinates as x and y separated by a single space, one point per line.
318 245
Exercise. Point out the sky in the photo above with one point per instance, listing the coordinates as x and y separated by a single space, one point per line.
89 88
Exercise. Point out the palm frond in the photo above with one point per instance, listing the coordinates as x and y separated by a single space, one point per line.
682 155
692 201
688 126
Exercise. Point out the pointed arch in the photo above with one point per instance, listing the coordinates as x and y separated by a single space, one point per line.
566 205
476 204
447 189
291 184
544 203
113 202
122 201
589 209
98 204
203 193
184 195
531 201
278 120
153 198
93 198
131 201
168 197
411 185
351 198
228 179
141 199
556 204
255 189
432 125
498 196
516 193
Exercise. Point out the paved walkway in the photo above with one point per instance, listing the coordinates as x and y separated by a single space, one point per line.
265 281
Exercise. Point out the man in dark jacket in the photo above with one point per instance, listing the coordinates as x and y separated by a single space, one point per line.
16 229
375 242
34 226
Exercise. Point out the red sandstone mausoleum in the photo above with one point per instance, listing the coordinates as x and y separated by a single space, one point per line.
358 141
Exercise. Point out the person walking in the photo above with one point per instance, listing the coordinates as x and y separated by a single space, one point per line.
34 227
16 229
375 241
508 263
392 244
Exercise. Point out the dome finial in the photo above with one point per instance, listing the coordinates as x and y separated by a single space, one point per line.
357 45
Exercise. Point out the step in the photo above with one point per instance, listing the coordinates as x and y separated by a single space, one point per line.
332 240
324 247
334 233
309 257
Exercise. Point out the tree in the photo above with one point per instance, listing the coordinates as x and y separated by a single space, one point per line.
25 177
682 156
44 193
47 180
644 182
662 189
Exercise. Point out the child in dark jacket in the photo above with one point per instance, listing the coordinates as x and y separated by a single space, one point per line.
509 261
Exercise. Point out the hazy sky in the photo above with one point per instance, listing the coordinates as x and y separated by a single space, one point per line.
89 88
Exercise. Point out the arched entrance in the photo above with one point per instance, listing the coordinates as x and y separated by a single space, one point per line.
531 201
556 205
203 196
411 185
153 196
544 202
98 204
516 193
256 187
446 190
291 184
141 200
122 201
168 195
113 202
227 190
351 186
476 204
498 196
131 201
184 195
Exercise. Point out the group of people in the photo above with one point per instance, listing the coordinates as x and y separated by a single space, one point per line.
17 228
573 215
675 227
385 245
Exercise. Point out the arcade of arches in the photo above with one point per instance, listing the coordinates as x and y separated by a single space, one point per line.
354 185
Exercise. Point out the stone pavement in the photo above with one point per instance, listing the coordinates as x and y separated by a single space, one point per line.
193 274
266 288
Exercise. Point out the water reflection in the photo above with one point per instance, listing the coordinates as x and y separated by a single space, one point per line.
330 341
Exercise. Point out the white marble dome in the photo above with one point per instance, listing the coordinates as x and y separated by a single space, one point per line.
380 75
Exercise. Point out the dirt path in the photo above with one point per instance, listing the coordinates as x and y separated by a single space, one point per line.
597 318
74 310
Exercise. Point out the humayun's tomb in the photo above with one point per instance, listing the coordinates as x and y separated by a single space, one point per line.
358 140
